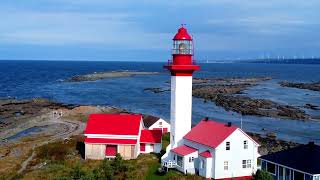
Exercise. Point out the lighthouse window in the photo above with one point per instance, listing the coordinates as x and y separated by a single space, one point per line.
182 47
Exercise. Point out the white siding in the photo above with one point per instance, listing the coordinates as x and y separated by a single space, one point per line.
235 156
188 167
206 170
160 124
156 148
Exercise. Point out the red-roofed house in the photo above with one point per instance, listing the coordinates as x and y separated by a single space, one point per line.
109 134
215 150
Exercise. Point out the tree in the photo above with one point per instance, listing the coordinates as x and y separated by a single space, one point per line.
118 164
104 171
262 175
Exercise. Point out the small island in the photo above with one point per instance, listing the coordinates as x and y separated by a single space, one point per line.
109 74
310 86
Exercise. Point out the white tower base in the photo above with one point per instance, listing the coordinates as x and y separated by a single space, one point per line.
181 108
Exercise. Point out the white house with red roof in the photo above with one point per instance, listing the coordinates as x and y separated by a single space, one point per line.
210 149
155 123
216 150
109 134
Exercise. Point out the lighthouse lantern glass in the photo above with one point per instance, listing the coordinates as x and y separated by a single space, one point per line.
182 47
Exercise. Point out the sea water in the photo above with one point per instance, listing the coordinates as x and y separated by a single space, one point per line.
28 79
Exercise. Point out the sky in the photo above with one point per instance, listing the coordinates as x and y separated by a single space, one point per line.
142 30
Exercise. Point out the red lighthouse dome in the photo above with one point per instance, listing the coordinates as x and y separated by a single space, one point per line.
182 63
182 34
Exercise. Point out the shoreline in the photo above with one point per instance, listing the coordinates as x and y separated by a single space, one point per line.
228 94
108 74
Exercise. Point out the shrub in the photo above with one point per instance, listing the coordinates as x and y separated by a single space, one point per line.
262 175
53 151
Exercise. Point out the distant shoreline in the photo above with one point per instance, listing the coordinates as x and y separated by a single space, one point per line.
108 74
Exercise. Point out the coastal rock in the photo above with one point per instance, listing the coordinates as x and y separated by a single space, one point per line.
156 90
311 106
269 143
110 74
310 86
223 92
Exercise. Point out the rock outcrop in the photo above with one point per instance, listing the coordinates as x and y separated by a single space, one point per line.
310 86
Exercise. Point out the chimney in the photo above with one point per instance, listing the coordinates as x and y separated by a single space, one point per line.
206 118
229 124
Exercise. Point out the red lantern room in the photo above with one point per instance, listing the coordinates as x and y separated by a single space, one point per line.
182 63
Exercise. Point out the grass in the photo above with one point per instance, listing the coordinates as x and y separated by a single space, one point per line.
58 160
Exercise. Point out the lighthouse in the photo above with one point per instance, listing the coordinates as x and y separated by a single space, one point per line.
181 68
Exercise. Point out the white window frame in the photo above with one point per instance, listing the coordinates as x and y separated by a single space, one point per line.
226 165
245 144
246 163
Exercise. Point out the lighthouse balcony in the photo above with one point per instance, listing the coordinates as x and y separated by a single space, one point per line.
170 63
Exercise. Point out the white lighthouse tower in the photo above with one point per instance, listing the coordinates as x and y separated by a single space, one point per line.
181 67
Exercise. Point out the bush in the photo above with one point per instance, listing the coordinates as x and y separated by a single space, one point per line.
262 175
53 151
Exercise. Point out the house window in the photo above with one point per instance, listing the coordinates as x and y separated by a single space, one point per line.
179 161
174 157
191 159
225 165
271 168
245 144
227 146
246 163
160 123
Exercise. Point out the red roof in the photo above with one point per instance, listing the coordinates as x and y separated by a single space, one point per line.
110 141
151 136
183 150
114 124
182 35
206 154
210 133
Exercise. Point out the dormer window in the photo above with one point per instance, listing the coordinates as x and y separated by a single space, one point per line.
227 146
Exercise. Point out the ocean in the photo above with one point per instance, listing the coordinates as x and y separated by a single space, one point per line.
29 79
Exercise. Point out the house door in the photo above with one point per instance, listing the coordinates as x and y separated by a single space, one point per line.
142 147
111 150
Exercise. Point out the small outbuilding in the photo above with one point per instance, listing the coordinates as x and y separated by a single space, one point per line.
155 123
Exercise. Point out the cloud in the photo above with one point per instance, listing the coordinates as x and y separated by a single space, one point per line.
229 26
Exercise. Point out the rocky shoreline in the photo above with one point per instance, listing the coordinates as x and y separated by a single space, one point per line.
104 75
228 93
309 86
